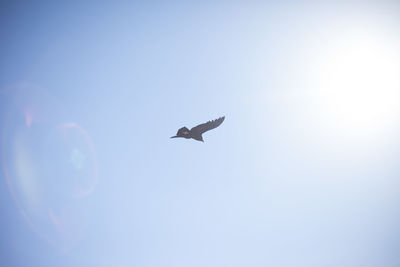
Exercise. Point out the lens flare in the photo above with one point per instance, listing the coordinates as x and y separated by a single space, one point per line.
50 166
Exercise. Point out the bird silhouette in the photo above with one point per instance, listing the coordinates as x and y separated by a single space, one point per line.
196 132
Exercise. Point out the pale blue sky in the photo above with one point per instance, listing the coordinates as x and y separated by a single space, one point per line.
303 171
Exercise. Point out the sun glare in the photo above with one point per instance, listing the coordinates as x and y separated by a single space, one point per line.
357 84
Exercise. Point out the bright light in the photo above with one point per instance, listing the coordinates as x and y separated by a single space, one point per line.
357 84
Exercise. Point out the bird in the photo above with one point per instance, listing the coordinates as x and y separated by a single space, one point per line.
197 131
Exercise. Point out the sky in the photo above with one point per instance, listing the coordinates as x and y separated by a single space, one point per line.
303 171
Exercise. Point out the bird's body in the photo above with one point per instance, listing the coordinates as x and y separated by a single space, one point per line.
197 132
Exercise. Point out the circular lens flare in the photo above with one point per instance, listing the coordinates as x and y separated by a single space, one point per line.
50 166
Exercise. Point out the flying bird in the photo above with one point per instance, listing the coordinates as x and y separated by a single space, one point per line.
196 132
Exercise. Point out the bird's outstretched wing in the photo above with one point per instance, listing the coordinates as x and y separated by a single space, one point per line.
202 128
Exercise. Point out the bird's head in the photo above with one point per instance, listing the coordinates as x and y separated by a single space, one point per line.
182 132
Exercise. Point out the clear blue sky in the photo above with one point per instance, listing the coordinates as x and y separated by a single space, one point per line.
303 172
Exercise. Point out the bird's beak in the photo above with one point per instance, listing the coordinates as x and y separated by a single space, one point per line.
174 136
